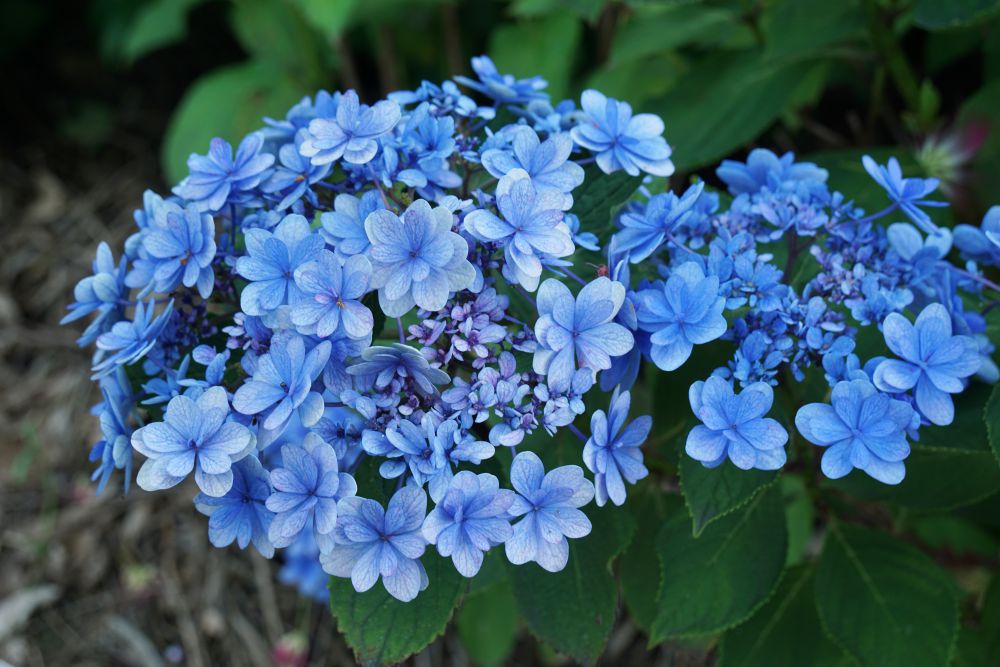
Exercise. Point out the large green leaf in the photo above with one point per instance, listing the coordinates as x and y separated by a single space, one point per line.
277 31
639 569
381 629
227 103
654 29
712 493
600 196
883 601
487 623
574 609
156 24
991 420
725 102
807 27
785 632
713 582
545 47
943 14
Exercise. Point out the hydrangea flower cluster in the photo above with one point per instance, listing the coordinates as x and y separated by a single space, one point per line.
388 296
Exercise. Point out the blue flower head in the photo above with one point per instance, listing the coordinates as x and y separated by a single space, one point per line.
683 312
333 290
344 226
863 428
128 341
612 452
307 487
932 361
240 515
292 178
548 505
734 426
981 244
764 169
503 87
113 450
282 383
194 435
417 260
101 292
546 162
352 133
621 140
373 542
382 364
532 227
578 332
906 193
178 247
220 178
643 232
271 261
469 520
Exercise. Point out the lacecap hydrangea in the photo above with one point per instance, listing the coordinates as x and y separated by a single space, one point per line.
346 328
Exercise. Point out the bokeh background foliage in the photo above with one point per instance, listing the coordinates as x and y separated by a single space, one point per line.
717 565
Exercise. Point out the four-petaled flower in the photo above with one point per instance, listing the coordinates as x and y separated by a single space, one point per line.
240 515
905 193
532 227
612 452
218 178
643 233
373 542
683 312
621 140
352 133
548 505
128 342
734 426
932 361
578 332
333 289
194 435
503 87
177 248
546 162
344 226
863 428
417 259
469 520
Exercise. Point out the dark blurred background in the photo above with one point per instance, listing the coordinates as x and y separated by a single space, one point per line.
105 98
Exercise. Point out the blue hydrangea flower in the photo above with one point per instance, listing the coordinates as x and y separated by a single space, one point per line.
932 361
469 520
294 176
532 227
271 261
282 383
382 364
734 426
981 244
128 341
373 542
114 449
417 260
905 193
307 487
333 290
301 568
549 504
546 162
621 140
352 133
503 88
581 239
344 226
764 169
578 332
683 312
863 428
219 178
643 232
612 452
102 292
178 247
240 515
194 435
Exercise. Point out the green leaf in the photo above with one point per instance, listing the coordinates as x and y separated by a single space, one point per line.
329 18
943 14
639 569
156 25
807 27
725 102
545 47
600 196
654 29
487 624
574 609
712 493
883 601
227 103
713 582
991 419
382 630
786 631
799 517
277 31
586 9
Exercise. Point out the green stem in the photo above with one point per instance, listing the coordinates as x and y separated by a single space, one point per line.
891 55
